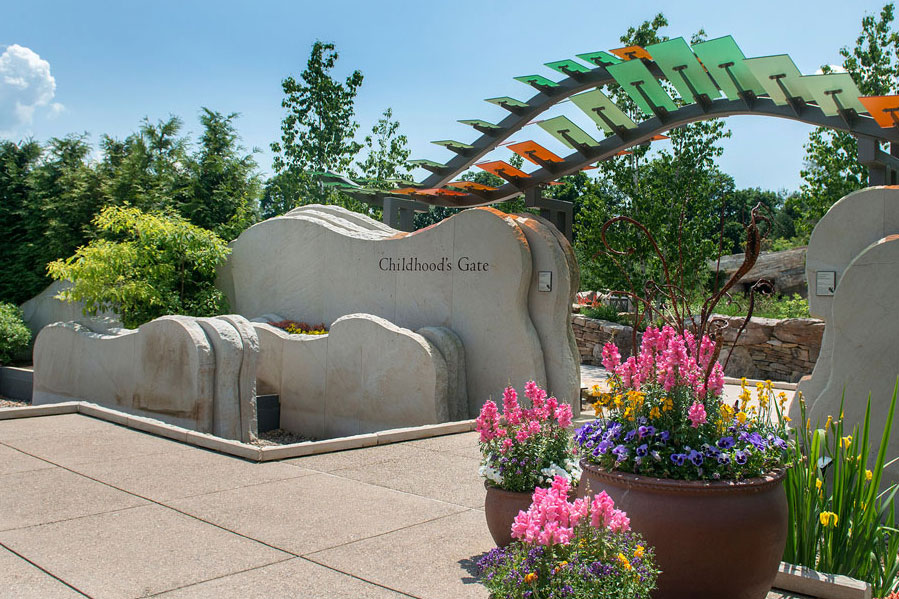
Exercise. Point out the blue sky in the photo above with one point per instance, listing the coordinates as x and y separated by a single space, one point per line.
115 63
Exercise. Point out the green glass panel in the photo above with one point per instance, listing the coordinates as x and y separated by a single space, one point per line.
480 123
424 162
568 66
724 60
634 77
682 69
567 132
834 91
770 70
600 59
507 102
452 144
536 81
595 103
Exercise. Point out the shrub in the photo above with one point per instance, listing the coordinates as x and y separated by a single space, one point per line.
14 335
839 522
147 265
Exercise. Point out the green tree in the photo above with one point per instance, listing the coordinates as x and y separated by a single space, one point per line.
387 155
831 166
149 169
675 193
226 186
144 266
19 277
316 133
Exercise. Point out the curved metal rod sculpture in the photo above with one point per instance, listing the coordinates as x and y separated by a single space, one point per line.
669 304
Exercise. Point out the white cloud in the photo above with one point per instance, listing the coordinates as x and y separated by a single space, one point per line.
25 85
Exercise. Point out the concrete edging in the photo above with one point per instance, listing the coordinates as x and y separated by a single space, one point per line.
805 581
242 450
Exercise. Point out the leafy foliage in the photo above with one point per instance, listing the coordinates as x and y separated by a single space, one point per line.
676 194
51 194
831 167
840 521
316 133
766 306
146 265
387 154
14 335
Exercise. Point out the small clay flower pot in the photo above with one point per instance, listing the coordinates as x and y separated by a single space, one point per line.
501 507
712 539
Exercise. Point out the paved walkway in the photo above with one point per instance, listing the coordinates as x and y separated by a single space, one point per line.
89 508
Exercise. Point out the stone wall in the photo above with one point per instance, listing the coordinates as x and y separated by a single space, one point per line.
781 350
591 334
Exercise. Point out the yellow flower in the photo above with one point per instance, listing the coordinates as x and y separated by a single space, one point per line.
624 561
828 423
597 409
654 413
828 519
727 412
743 381
530 577
638 552
667 404
787 418
619 401
868 475
741 417
846 441
818 483
629 414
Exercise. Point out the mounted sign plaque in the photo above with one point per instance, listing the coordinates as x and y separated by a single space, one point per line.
545 280
825 282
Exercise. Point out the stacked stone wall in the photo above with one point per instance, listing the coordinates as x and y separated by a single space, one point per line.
781 350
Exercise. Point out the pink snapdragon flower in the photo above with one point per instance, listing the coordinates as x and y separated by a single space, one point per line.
611 358
511 409
564 415
696 414
551 518
487 422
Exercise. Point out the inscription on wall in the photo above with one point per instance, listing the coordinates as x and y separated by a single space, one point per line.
414 264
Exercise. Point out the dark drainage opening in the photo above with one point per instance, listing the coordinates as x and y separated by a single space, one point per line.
268 412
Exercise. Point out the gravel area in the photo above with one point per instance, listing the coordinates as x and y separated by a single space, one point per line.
280 437
12 403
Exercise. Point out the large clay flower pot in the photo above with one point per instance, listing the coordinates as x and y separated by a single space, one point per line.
711 539
501 507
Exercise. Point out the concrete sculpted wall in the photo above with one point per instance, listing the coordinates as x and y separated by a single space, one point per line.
852 268
502 284
365 375
197 373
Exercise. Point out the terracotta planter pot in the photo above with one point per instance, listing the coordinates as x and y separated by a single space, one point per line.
501 507
712 539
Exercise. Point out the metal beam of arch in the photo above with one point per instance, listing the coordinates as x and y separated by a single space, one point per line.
691 113
537 105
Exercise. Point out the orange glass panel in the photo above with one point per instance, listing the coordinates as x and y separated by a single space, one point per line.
533 151
658 137
629 52
471 185
439 192
503 169
589 168
884 109
624 152
403 191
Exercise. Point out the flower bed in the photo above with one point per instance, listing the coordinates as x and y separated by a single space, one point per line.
300 328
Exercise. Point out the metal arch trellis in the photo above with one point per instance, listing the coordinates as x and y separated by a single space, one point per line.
713 79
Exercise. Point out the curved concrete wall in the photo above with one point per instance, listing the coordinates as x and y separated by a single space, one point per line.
859 240
475 273
181 370
365 375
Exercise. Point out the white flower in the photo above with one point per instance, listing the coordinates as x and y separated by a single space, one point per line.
490 474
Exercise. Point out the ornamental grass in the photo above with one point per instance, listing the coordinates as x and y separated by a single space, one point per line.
840 520
578 549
